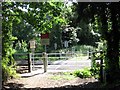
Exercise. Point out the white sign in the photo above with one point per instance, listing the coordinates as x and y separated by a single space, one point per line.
32 44
45 41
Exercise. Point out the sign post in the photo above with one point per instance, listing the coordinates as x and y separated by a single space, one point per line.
32 47
66 45
45 61
45 41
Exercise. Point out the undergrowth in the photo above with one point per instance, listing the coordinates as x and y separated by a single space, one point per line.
82 73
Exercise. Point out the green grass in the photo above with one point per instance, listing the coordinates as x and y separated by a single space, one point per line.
82 73
63 76
56 77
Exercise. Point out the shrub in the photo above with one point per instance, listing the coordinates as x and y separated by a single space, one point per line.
8 71
83 73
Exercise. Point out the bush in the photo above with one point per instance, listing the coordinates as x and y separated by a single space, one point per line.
8 71
83 73
8 65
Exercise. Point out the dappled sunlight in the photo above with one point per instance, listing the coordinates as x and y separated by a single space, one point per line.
43 38
55 80
84 85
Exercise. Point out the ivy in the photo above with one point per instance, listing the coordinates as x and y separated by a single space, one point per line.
8 69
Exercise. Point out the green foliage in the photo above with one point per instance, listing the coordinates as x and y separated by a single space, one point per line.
86 34
83 73
45 15
70 35
96 59
8 62
25 20
21 46
9 71
104 19
95 72
39 48
20 56
23 30
83 49
102 45
40 17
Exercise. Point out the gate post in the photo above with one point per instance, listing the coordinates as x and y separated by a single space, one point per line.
29 63
89 54
101 69
45 61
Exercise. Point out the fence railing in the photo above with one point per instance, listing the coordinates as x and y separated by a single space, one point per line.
38 56
30 58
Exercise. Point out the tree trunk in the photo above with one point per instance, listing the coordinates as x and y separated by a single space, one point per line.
113 48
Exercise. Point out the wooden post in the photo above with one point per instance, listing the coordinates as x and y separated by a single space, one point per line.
29 63
92 59
101 69
45 61
89 54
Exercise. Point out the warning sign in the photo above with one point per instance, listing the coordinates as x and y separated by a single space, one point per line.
45 36
45 39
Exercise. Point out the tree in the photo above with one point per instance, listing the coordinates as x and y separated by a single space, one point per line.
85 35
82 26
69 34
7 40
40 17
108 16
46 17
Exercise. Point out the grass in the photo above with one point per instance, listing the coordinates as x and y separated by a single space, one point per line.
63 76
83 73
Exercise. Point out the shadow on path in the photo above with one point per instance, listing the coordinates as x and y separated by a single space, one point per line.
90 85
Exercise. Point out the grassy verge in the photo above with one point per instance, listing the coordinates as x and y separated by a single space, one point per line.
62 76
83 73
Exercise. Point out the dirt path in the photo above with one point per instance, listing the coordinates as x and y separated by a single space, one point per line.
53 79
47 80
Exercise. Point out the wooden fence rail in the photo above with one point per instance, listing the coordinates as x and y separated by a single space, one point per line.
32 57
